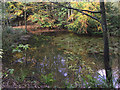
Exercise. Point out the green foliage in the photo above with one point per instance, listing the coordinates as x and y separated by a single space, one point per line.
11 71
48 16
92 82
61 17
13 9
81 23
20 76
41 18
69 85
43 13
10 37
48 79
5 75
89 81
8 72
74 55
19 47
16 50
112 19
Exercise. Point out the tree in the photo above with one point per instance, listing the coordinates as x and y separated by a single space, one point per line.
105 36
106 44
81 23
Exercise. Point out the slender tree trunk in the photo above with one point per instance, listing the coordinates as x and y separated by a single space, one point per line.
69 10
119 63
25 17
3 14
119 47
106 45
50 9
2 25
72 13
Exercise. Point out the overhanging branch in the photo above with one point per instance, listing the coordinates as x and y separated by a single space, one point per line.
81 11
92 11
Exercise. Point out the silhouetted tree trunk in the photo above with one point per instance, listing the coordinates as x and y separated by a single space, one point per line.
106 45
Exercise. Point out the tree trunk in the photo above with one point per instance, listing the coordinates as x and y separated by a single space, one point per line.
106 46
72 13
119 48
105 37
3 14
25 17
69 10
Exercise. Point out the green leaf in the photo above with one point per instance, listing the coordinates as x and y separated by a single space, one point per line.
11 71
89 77
20 45
14 50
19 50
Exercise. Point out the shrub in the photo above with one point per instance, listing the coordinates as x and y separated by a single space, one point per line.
11 36
113 17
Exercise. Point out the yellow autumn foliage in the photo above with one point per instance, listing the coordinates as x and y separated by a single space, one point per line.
81 22
18 12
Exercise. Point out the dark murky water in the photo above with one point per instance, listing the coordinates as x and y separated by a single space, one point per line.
62 59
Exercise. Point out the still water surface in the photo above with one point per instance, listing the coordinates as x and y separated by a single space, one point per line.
66 58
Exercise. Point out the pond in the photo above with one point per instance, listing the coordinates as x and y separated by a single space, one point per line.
59 60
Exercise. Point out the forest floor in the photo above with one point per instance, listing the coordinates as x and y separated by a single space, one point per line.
35 29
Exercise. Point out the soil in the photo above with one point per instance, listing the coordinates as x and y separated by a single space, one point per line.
35 29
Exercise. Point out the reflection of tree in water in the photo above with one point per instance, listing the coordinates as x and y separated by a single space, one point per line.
49 61
66 63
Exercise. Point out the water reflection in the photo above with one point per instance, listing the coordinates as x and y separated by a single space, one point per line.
102 76
45 57
102 73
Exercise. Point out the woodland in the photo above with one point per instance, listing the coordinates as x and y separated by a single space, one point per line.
60 44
